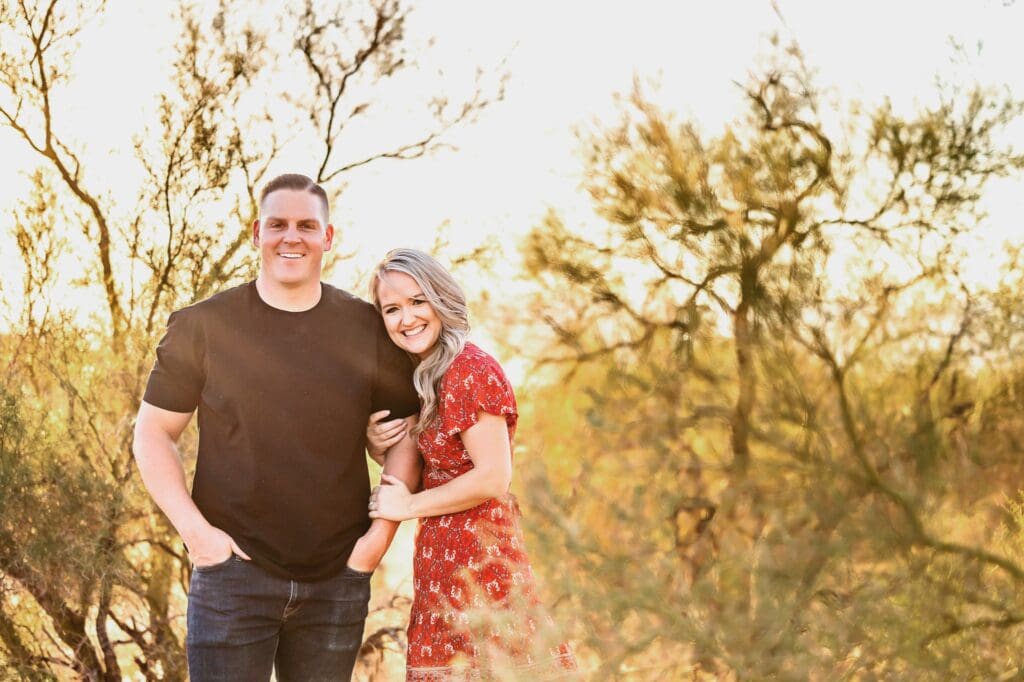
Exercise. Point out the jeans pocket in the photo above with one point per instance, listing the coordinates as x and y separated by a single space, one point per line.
213 567
353 573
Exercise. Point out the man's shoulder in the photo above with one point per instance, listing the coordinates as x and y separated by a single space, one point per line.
228 298
337 298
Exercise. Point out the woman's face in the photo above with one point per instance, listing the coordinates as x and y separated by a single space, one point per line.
411 322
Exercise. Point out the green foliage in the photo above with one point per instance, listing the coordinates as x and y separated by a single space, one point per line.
789 463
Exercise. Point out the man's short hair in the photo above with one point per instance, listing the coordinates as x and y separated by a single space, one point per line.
298 183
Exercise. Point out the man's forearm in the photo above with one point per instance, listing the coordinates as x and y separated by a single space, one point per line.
164 478
400 460
403 461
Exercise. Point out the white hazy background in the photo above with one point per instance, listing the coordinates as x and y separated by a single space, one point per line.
565 60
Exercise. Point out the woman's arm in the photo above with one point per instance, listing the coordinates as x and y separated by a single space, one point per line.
488 446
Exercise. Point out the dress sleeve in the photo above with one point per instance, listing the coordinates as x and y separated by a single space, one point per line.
473 385
176 381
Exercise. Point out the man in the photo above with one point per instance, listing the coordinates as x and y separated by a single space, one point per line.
284 372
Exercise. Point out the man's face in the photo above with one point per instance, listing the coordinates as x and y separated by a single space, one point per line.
292 237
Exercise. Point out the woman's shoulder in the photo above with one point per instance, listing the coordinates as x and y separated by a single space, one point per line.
473 360
475 381
476 363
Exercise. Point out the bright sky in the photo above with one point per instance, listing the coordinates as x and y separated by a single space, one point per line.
566 59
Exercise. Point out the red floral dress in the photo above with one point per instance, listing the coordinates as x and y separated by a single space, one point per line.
475 611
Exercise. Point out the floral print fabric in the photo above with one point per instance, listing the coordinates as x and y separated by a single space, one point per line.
475 612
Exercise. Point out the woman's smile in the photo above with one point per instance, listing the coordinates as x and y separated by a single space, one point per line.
412 323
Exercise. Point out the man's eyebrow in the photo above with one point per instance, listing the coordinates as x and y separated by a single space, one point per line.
301 221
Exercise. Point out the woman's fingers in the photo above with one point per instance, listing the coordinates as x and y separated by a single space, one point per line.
387 436
378 416
392 500
390 436
382 435
388 428
391 428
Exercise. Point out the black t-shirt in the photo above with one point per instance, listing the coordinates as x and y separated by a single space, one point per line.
283 401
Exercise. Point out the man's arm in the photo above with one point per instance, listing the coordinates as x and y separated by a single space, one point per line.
400 460
155 447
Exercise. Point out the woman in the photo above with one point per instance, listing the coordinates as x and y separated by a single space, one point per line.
475 612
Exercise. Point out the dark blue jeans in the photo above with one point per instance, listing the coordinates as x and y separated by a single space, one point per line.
244 621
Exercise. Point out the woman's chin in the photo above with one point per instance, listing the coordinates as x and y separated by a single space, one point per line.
421 351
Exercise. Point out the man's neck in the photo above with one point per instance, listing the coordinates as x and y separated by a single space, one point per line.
292 299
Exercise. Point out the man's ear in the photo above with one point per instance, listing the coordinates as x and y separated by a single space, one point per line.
256 232
328 237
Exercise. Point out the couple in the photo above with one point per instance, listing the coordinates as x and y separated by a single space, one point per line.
292 378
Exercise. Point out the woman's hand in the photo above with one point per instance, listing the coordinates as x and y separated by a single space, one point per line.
381 435
391 500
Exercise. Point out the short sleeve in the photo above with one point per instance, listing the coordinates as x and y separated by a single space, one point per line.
392 387
176 381
475 383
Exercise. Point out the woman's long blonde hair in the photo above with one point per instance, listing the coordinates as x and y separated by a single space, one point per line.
445 296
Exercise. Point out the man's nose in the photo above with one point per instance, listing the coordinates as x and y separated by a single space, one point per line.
291 234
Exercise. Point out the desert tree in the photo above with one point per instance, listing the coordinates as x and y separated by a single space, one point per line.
92 578
771 341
